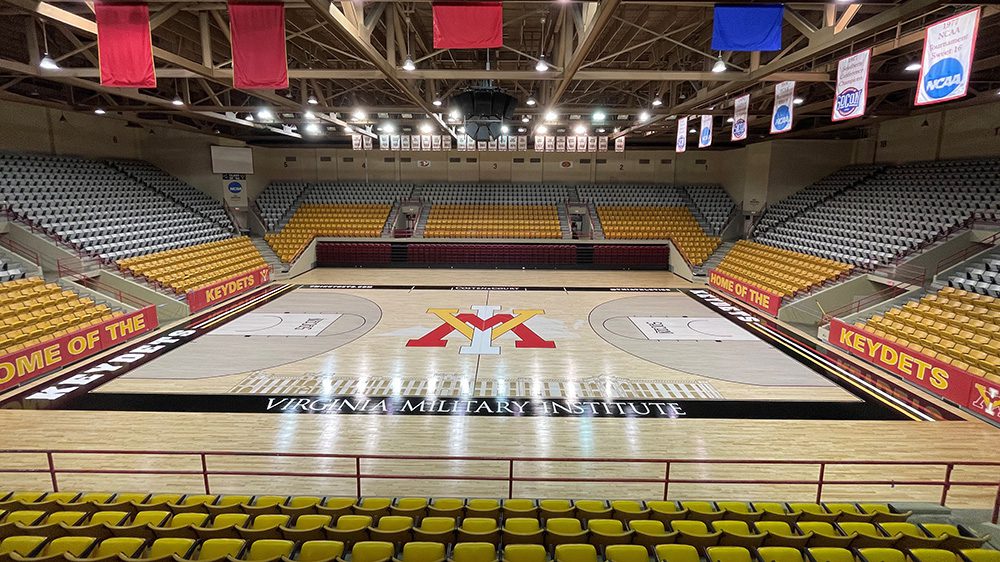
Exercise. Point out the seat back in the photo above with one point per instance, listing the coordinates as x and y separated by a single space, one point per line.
74 546
728 554
268 521
606 526
779 554
165 547
882 555
22 545
126 546
394 523
437 524
525 553
269 549
420 551
677 553
521 525
563 525
372 551
479 524
214 549
626 553
353 522
830 554
319 551
575 553
690 526
312 521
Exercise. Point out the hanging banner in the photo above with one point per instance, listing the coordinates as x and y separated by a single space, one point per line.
947 60
446 142
571 144
620 144
125 53
560 144
468 25
383 142
367 142
394 142
852 86
539 143
741 109
682 135
602 144
425 142
356 142
581 143
257 31
491 145
522 142
436 142
481 146
781 116
404 142
591 144
502 144
705 134
234 189
550 143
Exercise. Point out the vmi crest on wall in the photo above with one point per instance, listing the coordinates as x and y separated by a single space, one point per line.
482 329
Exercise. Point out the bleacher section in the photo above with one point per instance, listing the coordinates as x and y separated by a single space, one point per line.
277 201
32 311
127 526
713 203
492 211
982 277
813 194
176 189
97 209
188 268
9 270
337 220
780 271
659 223
893 213
958 327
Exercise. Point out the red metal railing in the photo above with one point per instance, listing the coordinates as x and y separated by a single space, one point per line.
82 278
511 476
965 254
20 249
911 275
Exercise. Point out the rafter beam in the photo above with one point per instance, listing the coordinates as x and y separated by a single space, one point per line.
798 22
593 27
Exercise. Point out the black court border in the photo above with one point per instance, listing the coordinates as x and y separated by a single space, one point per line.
72 389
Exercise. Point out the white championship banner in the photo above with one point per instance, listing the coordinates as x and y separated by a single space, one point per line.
682 132
781 117
947 61
705 132
852 86
741 110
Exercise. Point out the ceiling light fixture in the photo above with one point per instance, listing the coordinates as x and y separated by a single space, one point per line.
312 100
436 103
454 114
693 130
531 101
99 111
798 101
730 120
719 66
265 114
600 130
912 67
348 130
580 130
408 64
48 63
177 101
551 115
388 128
309 115
657 102
504 129
541 65
542 129
525 119
313 128
599 116
249 117
358 115
644 116
426 128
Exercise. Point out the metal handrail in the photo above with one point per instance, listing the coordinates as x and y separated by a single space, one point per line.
82 278
511 477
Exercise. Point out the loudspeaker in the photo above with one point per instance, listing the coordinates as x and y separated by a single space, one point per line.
485 110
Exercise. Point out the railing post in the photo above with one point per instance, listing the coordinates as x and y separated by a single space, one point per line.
510 478
52 472
996 507
947 483
357 475
666 480
204 473
819 482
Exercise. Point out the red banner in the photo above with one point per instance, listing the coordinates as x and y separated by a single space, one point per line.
947 381
258 40
468 25
209 295
751 294
124 47
22 366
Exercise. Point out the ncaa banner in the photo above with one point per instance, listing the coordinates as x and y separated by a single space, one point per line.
209 295
356 142
781 117
947 60
682 139
741 110
394 142
705 134
852 86
383 142
367 142
31 362
446 142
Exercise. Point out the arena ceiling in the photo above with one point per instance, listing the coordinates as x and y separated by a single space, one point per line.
622 57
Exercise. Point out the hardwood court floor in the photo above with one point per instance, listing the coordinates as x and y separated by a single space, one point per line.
622 438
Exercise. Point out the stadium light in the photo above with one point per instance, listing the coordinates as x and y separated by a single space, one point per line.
644 116
580 130
657 102
525 119
436 102
551 115
312 100
48 63
541 65
719 66
426 128
531 101
177 101
798 101
730 120
542 129
313 128
358 115
408 64
693 130
912 67
504 129
99 111
265 114
599 116
388 128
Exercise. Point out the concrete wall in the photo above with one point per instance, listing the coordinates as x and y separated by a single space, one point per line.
950 133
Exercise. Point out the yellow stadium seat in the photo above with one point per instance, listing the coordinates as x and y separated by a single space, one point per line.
592 509
223 526
881 555
228 504
666 511
849 512
392 528
650 532
477 507
575 553
115 549
830 554
933 555
519 507
738 533
981 555
373 507
219 549
479 529
956 537
269 550
181 525
423 552
307 527
779 554
446 507
626 553
556 508
628 510
782 534
372 551
474 552
164 550
695 533
868 535
320 551
825 535
264 505
522 530
301 505
728 554
883 512
702 510
604 532
739 510
910 536
350 528
415 508
263 527
20 545
677 553
62 548
335 507
435 529
525 553
563 530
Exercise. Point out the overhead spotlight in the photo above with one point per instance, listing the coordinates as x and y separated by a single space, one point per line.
216 131
580 130
249 117
600 131
348 130
644 116
693 130
265 114
526 119
426 128
177 101
99 111
542 129
730 120
719 66
798 101
551 116
521 129
912 67
541 65
408 64
309 115
599 116
312 100
358 115
504 129
657 102
461 130
388 128
436 103
313 128
531 101
48 63
454 114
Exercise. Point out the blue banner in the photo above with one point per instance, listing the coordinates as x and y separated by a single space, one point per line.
747 28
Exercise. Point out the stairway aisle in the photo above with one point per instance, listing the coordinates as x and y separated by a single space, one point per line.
270 257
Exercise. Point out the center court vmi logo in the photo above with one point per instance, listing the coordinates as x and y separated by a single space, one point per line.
482 329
